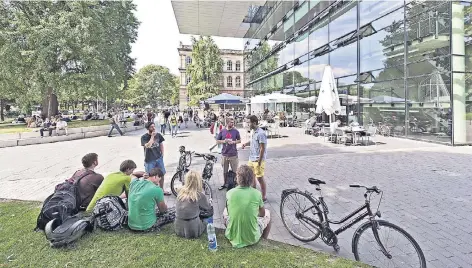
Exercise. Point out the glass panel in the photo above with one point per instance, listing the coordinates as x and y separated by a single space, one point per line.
317 66
343 23
301 45
371 10
318 37
373 54
344 60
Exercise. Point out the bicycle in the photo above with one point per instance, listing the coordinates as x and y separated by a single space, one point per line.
178 179
317 223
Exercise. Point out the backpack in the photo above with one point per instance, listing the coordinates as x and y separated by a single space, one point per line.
61 234
110 213
63 203
230 180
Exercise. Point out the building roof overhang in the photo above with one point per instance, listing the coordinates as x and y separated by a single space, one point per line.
214 18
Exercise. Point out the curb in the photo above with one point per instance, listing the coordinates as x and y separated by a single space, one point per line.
74 134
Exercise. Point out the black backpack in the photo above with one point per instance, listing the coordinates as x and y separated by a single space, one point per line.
231 180
61 234
63 203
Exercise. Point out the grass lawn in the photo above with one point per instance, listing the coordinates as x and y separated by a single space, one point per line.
74 124
21 247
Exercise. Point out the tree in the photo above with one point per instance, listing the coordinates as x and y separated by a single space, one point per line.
153 85
71 49
205 70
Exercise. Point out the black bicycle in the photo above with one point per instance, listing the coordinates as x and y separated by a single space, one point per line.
178 179
311 217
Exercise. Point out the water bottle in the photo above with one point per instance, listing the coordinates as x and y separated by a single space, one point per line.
212 244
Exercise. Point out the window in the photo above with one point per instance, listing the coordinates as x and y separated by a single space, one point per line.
238 65
238 81
188 80
229 81
188 60
229 65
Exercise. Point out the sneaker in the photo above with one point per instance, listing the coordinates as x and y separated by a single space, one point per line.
222 187
264 200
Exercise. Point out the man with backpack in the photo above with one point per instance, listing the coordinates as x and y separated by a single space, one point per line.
115 184
145 196
90 181
229 137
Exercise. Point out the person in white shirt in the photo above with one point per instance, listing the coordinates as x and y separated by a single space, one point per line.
61 125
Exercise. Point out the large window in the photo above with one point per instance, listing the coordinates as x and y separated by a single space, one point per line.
238 65
229 81
229 65
341 24
188 79
344 60
238 81
188 60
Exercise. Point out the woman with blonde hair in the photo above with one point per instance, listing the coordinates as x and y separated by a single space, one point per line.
191 206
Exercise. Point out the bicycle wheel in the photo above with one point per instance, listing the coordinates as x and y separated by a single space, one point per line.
177 182
188 159
407 253
297 209
207 190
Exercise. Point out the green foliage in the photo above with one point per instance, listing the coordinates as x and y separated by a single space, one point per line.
205 70
78 50
153 85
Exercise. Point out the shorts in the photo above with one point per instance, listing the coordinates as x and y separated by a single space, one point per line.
227 161
261 221
159 163
258 170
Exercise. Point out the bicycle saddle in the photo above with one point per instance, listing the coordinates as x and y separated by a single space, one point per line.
315 181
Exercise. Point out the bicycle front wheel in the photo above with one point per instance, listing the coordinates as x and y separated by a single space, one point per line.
188 159
207 189
301 216
177 182
404 251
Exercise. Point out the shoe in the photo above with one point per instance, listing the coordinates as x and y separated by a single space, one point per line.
109 136
264 200
222 187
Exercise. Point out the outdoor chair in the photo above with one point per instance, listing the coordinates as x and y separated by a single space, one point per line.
370 133
341 136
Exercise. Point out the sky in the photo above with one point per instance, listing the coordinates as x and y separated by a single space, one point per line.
159 37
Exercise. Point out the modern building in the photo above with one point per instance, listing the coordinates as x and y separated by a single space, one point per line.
232 80
405 64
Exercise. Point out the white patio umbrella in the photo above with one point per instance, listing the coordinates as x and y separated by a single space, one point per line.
311 99
328 99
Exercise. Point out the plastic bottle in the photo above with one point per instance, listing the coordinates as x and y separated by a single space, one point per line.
212 244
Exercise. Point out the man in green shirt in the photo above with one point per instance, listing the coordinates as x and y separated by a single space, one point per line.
115 184
245 217
144 196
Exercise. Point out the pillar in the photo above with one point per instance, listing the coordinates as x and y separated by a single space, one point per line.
458 79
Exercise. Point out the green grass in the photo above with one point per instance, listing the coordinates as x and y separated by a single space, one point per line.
74 124
21 247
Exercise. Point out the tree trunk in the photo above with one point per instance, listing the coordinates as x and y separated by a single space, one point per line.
83 106
2 103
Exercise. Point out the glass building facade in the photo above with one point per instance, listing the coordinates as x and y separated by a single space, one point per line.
405 64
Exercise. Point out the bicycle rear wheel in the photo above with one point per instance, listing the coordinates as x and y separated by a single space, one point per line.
177 182
406 252
207 189
299 211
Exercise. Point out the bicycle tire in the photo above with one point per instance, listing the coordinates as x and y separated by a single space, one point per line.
317 215
207 189
188 161
368 226
177 176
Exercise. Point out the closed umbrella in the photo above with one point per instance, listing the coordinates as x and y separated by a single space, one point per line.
328 99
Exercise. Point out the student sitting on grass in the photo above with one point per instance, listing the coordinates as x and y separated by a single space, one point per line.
144 195
190 202
245 217
116 184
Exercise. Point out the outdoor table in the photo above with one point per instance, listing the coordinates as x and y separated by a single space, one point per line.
356 133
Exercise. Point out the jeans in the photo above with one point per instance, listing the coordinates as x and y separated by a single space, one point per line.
174 130
117 128
163 129
159 163
41 131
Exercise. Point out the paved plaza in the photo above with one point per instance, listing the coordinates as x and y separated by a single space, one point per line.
427 186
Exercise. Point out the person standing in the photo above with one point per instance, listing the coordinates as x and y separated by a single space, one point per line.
229 137
166 117
114 119
154 151
217 127
185 118
173 125
258 152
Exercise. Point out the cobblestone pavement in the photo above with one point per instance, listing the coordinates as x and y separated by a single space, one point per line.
427 186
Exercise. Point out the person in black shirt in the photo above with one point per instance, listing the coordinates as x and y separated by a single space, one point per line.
153 151
166 118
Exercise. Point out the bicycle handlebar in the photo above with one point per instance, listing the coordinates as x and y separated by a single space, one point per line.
369 189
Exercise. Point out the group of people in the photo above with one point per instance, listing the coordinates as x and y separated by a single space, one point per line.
245 216
170 119
53 123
